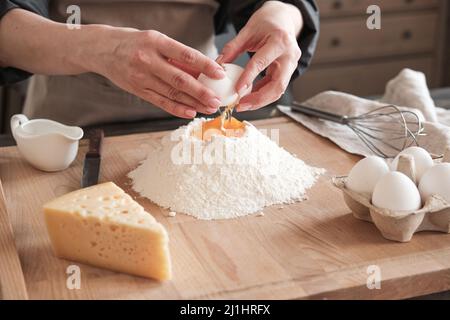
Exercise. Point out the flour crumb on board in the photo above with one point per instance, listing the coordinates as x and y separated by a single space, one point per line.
260 214
222 178
172 214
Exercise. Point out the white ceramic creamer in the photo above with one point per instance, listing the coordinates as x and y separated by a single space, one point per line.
47 145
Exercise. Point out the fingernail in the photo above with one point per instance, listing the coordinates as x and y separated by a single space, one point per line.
242 90
190 113
211 110
244 107
219 58
219 73
214 103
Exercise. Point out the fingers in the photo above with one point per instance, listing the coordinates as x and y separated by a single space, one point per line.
185 68
172 107
267 94
147 81
233 48
173 94
258 63
184 82
190 57
271 89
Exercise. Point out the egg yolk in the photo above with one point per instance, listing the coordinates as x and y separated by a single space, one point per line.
230 128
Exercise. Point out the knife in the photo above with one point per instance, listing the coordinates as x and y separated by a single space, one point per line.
91 165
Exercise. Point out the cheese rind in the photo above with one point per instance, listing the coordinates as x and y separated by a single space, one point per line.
103 226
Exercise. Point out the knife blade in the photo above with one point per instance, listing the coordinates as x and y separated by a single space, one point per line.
92 160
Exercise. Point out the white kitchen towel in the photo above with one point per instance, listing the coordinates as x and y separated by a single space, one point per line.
407 90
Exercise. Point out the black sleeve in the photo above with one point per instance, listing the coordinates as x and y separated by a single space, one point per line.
11 75
239 11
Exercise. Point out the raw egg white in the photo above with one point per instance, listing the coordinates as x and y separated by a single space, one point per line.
365 174
396 192
436 180
422 160
225 88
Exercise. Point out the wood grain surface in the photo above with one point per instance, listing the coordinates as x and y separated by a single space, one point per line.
12 284
312 249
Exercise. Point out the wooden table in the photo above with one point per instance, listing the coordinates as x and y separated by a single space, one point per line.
312 249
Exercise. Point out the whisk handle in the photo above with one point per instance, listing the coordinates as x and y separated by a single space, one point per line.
297 107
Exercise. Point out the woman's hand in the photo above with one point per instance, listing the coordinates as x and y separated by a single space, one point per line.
145 63
271 34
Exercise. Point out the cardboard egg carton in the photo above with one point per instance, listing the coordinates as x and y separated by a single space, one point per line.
400 225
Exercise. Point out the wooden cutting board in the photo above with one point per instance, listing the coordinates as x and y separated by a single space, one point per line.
312 249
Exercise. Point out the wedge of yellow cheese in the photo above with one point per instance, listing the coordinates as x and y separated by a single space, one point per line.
104 227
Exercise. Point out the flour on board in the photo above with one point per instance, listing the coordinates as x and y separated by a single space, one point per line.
223 178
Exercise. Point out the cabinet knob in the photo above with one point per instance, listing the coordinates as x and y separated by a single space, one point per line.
335 42
337 5
407 34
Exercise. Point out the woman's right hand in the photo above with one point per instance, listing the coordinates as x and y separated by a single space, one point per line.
144 64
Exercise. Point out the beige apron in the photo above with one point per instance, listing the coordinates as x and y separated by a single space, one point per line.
88 99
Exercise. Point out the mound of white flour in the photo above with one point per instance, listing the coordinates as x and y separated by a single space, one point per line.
224 178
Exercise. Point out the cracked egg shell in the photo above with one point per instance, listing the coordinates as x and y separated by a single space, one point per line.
225 88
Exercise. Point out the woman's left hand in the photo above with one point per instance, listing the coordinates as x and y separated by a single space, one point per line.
271 33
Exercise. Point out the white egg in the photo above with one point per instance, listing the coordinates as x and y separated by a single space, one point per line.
225 88
396 192
422 160
365 174
436 180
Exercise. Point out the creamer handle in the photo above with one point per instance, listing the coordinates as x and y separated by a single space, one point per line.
17 120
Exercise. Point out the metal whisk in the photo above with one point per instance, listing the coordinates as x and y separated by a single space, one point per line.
385 131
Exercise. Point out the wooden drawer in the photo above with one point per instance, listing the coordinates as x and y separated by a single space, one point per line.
359 79
349 38
338 8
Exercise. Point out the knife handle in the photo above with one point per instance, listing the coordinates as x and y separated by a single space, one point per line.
95 143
